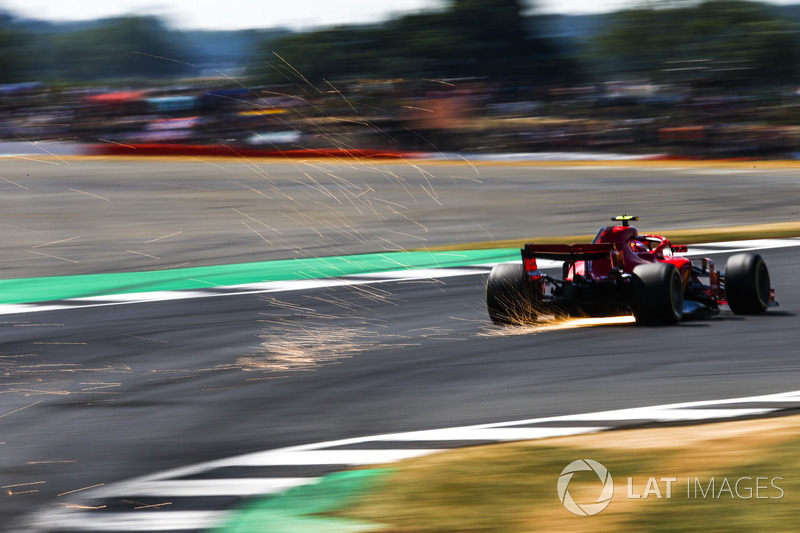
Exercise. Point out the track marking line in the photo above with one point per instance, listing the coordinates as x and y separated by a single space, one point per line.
323 457
160 521
168 484
73 513
207 487
356 279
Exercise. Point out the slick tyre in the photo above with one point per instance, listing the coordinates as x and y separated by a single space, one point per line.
747 285
657 294
511 297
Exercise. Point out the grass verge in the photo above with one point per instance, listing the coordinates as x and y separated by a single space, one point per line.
512 487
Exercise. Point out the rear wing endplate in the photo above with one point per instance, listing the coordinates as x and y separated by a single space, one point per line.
568 252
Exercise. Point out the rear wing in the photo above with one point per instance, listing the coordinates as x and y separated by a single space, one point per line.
568 252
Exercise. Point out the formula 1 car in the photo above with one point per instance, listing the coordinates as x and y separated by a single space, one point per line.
622 272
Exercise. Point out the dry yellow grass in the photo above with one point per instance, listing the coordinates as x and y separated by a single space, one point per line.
512 487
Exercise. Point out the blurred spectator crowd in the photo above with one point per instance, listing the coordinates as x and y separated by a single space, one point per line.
464 115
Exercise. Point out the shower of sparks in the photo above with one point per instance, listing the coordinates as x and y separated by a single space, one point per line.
470 164
302 348
81 489
40 145
53 379
418 108
23 485
117 143
78 507
15 183
35 160
248 226
257 221
313 208
56 242
143 254
179 265
164 237
297 336
209 283
189 187
89 194
210 163
558 324
337 91
10 492
253 189
140 505
53 256
20 409
162 58
104 386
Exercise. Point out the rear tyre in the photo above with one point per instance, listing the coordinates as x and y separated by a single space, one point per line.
511 297
657 296
747 286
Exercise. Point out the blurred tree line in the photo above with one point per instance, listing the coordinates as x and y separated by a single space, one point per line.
119 49
710 43
714 43
470 38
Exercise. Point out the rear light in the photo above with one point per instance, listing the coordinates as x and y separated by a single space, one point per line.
532 268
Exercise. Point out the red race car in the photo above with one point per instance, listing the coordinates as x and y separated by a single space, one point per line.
622 272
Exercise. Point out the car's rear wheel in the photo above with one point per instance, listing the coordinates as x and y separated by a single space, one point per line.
747 285
657 297
511 296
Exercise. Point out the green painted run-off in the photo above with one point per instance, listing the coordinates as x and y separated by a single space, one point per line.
307 508
26 290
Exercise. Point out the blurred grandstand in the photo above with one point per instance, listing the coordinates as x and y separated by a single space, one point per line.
477 77
470 116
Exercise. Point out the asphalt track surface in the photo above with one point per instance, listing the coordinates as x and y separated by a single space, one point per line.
64 216
98 395
118 392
